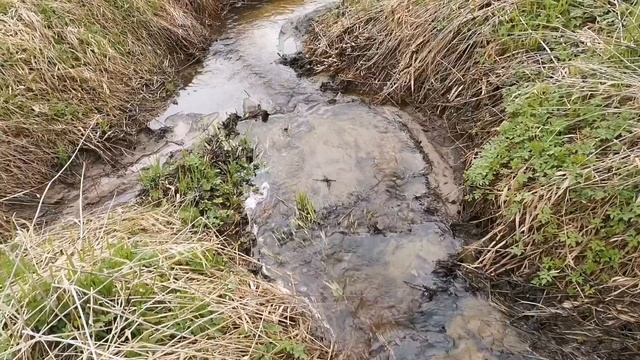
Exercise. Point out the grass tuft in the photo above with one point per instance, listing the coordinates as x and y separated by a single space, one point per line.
306 214
139 284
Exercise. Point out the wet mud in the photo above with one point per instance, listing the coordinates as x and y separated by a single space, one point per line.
384 194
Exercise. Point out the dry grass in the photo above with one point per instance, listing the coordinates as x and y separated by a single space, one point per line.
135 283
403 51
67 66
547 94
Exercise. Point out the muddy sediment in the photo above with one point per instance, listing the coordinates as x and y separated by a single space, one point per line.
384 195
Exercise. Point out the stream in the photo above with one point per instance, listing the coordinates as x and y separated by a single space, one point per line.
383 191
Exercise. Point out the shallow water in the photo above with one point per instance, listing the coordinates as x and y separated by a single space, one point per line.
382 190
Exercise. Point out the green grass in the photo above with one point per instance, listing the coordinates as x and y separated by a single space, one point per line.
208 182
306 215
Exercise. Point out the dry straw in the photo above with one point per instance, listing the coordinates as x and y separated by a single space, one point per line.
404 51
138 284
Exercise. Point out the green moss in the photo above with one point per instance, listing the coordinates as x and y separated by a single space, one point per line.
49 12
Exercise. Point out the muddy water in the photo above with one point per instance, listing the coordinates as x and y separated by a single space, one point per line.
382 190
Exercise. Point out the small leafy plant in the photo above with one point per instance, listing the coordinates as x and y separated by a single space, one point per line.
209 182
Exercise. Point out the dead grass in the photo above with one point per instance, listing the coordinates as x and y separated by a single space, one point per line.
137 283
403 51
544 97
68 66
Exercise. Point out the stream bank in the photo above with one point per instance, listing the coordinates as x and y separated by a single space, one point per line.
376 223
549 128
86 73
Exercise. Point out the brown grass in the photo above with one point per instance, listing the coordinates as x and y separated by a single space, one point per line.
402 51
136 283
70 65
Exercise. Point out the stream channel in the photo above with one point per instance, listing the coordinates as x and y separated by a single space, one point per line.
384 195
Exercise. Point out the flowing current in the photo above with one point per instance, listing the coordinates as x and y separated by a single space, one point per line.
382 191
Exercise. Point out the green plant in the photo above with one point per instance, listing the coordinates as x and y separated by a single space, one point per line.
208 182
305 211
283 347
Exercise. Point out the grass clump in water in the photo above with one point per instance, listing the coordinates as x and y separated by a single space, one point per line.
306 214
208 182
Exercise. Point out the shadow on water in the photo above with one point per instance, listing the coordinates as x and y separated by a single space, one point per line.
382 192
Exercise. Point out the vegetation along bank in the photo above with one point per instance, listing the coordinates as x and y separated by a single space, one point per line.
89 73
544 98
163 279
166 277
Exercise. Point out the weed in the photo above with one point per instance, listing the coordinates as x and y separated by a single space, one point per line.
288 348
151 179
305 211
209 182
558 169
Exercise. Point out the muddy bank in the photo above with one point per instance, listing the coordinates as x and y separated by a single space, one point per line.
378 196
